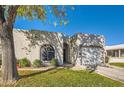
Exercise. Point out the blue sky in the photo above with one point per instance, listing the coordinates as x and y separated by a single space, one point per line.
105 20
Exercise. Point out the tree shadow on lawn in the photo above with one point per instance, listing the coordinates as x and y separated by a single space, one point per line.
36 73
66 66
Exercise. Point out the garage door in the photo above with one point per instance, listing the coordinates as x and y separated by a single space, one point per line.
91 55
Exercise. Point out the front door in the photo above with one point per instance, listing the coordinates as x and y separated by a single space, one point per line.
65 53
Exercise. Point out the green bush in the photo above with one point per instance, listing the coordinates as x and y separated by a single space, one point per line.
54 62
0 61
37 63
24 62
107 58
17 61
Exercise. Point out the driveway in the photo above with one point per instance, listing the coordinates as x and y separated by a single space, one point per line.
114 73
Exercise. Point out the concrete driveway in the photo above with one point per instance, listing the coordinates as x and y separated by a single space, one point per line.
112 72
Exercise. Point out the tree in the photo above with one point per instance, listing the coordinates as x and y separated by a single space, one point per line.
8 16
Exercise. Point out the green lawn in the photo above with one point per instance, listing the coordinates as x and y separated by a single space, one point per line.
63 78
117 64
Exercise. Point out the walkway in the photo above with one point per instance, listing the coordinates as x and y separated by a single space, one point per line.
114 73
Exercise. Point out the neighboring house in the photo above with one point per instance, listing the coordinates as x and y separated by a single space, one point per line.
115 53
79 49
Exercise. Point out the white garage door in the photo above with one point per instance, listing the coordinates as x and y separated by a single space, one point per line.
91 55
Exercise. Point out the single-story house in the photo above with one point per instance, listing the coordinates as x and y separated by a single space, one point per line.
115 53
79 49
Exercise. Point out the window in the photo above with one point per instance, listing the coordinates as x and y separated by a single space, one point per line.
122 53
47 53
113 53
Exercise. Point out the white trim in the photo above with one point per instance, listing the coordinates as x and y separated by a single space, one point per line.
115 47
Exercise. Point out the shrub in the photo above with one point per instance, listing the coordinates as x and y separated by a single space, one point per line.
37 63
17 61
54 62
24 62
107 58
0 61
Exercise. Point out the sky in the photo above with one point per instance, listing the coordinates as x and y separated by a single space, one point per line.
103 20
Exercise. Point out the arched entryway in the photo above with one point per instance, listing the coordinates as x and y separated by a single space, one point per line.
65 53
47 52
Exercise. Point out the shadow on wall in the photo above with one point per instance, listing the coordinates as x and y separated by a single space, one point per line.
41 38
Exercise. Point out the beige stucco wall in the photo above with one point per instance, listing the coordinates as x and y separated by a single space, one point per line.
87 49
23 50
90 46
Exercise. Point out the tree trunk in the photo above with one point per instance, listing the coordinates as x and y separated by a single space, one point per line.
9 70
